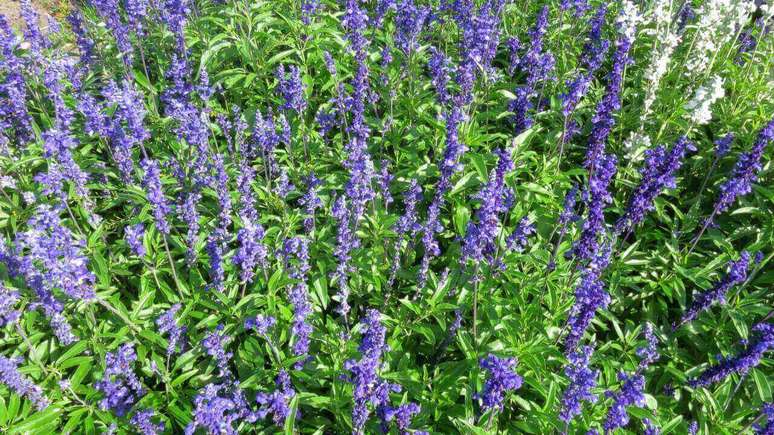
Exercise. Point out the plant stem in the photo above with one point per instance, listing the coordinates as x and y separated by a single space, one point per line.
41 365
7 198
706 179
171 261
750 424
733 393
121 315
475 309
562 140
72 217
153 271
701 232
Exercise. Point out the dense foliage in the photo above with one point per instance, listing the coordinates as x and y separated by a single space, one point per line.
399 216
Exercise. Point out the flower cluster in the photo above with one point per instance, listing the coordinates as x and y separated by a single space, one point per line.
134 238
299 296
261 324
537 64
603 120
630 394
767 411
501 378
291 88
594 51
358 189
155 194
745 171
277 403
598 196
214 344
658 173
143 422
119 385
582 381
699 108
409 24
50 258
10 377
649 353
632 391
407 226
175 333
218 407
311 201
749 357
368 386
496 198
590 295
448 165
251 253
8 299
737 274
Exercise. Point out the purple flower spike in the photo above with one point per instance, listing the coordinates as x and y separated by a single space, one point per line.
586 247
155 194
214 344
143 422
448 166
582 381
658 173
481 235
11 378
277 403
368 386
648 354
291 88
261 324
745 172
175 334
8 299
299 296
501 378
119 385
723 145
749 357
767 411
134 236
410 20
590 295
737 274
631 394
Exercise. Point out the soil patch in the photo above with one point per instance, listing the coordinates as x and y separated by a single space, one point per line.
11 9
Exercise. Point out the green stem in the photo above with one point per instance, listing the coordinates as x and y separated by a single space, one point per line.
121 315
171 261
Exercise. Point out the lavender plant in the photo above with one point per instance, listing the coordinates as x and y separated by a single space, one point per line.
351 217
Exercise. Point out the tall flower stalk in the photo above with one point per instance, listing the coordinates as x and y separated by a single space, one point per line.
358 190
740 183
737 274
594 51
657 174
632 391
159 204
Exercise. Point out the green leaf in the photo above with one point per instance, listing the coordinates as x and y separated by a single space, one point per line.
74 350
290 420
469 428
764 389
461 218
38 422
